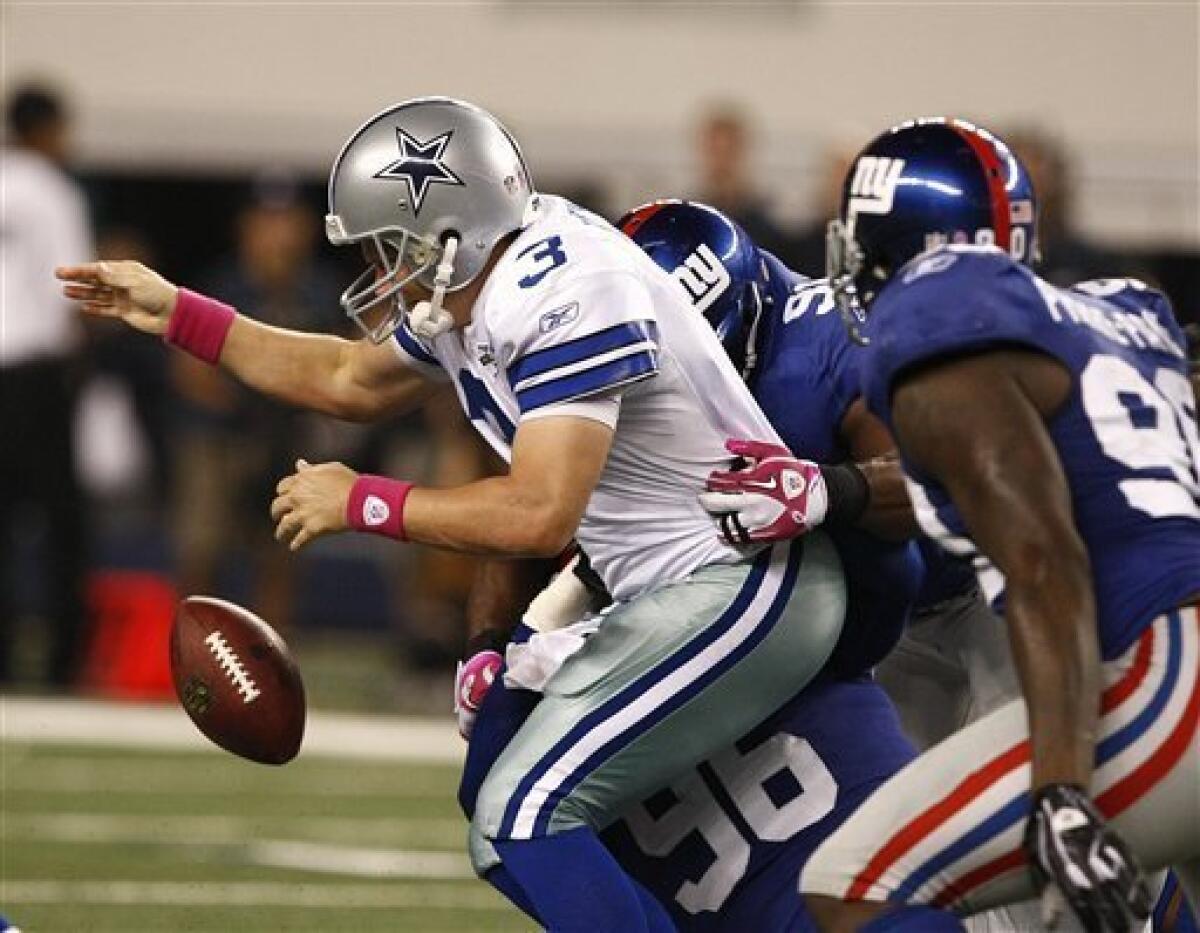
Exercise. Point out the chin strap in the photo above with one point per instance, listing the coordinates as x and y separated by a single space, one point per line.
428 319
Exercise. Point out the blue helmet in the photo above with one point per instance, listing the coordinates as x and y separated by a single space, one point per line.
918 186
713 259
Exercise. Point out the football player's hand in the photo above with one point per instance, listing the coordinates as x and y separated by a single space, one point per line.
1076 856
311 502
775 497
123 289
472 681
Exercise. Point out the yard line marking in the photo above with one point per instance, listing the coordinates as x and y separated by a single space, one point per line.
159 726
367 863
183 830
184 777
256 894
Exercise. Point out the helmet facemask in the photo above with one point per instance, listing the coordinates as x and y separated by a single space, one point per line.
844 263
394 259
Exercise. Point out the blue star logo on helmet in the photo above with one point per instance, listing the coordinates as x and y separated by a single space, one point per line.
420 165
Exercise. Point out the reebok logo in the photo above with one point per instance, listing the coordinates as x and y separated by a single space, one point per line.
375 511
558 317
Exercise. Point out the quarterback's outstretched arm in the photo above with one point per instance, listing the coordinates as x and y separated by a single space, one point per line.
976 424
355 380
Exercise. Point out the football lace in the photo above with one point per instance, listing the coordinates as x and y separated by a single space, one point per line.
232 665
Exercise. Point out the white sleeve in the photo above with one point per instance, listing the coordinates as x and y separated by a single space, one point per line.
594 336
605 409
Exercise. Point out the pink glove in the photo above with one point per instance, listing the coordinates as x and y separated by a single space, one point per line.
472 681
776 497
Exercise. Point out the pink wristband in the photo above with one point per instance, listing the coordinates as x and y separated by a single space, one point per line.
376 504
199 325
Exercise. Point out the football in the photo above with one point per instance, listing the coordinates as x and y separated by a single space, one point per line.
237 680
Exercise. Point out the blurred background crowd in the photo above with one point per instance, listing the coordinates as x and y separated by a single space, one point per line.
130 475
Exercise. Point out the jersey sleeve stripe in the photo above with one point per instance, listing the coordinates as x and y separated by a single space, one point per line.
589 363
611 375
413 347
581 348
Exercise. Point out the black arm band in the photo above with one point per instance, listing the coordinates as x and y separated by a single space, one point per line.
848 491
488 639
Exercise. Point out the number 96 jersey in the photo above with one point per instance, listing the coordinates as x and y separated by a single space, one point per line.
1126 436
724 845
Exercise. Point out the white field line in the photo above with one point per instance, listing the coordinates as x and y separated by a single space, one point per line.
364 863
181 777
177 830
140 725
256 894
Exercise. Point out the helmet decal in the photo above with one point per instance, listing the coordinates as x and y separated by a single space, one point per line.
873 187
439 229
995 174
703 276
918 186
420 165
713 261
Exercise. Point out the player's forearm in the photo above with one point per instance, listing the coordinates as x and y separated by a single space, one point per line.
1050 612
501 591
498 516
306 370
889 513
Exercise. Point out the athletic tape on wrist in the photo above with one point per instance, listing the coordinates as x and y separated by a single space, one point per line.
376 505
199 325
849 493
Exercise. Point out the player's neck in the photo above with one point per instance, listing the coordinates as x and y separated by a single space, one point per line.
461 304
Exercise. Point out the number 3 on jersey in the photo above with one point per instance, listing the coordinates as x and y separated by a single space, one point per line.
745 779
545 255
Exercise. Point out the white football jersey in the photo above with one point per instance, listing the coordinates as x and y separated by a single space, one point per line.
576 320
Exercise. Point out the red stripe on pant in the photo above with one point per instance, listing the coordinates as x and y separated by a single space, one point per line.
925 823
1114 801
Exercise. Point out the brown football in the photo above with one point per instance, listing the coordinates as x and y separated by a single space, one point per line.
237 680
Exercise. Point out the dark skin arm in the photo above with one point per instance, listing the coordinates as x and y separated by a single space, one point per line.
977 425
889 514
500 593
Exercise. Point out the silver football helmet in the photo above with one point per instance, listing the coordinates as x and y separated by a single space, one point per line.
428 187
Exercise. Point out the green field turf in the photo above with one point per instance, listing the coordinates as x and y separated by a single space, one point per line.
115 840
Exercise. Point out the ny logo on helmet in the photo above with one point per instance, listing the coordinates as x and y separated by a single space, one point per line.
420 165
703 276
873 187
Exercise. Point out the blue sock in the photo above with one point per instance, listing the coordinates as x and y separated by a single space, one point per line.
500 879
576 886
914 919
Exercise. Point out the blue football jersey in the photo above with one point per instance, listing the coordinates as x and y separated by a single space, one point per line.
1126 436
806 377
723 846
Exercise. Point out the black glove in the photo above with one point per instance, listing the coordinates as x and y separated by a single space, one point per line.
1071 847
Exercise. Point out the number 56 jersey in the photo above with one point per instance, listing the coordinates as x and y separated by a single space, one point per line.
1126 436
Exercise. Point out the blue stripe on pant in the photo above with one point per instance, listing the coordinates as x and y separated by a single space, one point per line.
671 712
1017 808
